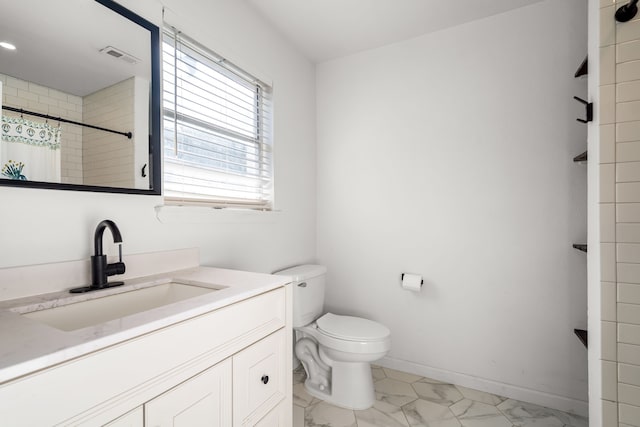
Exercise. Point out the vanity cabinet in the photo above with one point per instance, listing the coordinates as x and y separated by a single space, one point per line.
228 367
238 391
133 418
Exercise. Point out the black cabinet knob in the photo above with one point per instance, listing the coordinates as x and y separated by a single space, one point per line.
264 379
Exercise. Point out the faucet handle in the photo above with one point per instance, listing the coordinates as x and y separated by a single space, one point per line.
119 252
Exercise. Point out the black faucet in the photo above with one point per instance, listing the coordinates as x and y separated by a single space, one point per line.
100 269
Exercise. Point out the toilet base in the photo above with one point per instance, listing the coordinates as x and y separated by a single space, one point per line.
351 386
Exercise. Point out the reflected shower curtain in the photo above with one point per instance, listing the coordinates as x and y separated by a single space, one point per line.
29 151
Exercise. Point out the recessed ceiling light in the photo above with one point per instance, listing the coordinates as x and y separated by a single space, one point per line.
7 45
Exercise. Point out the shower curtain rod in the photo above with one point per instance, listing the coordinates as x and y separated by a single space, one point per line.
60 119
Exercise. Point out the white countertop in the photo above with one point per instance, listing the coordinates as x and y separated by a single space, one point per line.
28 346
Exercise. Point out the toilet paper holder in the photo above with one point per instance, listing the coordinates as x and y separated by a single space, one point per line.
402 278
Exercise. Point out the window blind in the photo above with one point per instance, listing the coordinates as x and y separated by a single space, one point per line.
217 129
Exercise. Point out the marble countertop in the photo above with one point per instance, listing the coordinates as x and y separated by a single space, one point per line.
29 345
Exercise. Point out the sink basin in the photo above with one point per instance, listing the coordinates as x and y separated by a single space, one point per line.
95 311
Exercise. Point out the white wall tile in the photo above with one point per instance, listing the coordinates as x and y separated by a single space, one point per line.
609 380
628 334
608 65
627 71
628 192
628 212
607 183
628 252
629 353
629 374
628 51
607 106
609 413
629 414
628 131
608 222
608 262
628 273
17 83
629 313
629 293
609 341
628 91
608 301
628 31
628 172
628 151
627 111
608 143
629 394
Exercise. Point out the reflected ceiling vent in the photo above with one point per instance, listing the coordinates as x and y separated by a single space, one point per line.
119 54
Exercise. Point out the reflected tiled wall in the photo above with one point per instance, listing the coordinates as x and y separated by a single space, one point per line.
619 114
107 158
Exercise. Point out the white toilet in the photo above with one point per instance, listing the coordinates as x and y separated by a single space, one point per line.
335 350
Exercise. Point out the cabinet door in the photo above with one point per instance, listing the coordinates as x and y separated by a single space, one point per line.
204 400
133 418
258 379
275 418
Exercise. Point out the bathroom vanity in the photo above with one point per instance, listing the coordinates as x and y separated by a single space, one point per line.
214 349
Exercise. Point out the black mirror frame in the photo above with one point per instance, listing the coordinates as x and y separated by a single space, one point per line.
155 149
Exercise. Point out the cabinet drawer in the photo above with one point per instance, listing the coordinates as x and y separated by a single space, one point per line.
258 379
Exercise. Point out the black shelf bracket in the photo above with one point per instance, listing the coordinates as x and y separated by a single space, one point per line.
583 70
580 158
588 110
580 246
583 336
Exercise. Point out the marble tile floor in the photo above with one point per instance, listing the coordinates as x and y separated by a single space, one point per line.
404 400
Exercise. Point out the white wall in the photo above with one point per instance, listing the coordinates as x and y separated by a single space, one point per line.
450 155
38 226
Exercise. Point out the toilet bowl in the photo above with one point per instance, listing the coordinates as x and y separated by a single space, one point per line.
339 372
335 350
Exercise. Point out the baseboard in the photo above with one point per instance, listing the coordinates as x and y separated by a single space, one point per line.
549 400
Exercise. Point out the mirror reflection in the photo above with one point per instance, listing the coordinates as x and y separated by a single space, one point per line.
75 83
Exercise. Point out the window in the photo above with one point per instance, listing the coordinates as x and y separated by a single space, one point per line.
217 129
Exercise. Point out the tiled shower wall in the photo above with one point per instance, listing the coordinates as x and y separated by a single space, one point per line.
619 157
107 158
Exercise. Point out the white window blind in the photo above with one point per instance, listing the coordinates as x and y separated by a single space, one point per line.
217 129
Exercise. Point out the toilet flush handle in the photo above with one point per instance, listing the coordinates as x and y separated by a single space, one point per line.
303 284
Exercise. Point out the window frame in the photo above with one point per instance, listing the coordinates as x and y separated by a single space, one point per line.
261 182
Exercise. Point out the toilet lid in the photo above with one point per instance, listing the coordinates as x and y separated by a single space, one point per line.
352 328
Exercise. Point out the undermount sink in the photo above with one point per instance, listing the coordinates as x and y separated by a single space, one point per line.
78 315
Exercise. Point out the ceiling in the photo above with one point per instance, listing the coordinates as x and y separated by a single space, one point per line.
59 46
327 29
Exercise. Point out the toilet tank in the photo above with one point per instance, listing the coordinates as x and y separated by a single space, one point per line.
308 292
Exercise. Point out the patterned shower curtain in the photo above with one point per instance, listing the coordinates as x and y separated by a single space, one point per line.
29 151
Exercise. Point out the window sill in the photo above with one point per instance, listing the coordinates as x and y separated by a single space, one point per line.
174 214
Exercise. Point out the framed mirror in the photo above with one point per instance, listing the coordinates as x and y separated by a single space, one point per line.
80 85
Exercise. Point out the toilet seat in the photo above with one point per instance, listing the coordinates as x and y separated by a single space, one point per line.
351 328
